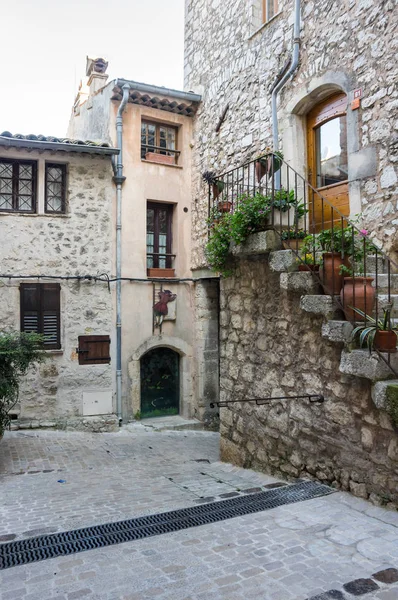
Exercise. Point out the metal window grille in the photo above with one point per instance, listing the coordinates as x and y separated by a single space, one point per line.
18 180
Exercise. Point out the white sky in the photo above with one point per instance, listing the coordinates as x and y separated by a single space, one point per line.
43 48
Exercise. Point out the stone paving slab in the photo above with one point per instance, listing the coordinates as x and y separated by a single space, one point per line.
310 550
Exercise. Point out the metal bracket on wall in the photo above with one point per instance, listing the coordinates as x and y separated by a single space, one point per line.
313 398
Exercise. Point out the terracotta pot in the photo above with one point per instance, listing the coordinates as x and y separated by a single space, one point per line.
332 281
293 243
225 207
314 268
385 341
261 169
359 293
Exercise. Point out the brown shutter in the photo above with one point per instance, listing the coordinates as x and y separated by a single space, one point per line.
94 350
51 315
30 307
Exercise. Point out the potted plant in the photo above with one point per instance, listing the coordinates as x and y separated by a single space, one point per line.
376 334
310 263
217 184
336 247
292 239
268 162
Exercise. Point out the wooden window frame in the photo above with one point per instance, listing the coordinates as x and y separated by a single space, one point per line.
15 180
156 206
41 289
62 166
267 17
157 148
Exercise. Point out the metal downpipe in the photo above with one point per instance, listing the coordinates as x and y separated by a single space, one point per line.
119 179
278 84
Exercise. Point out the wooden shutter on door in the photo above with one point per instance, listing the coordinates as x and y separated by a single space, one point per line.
41 312
94 350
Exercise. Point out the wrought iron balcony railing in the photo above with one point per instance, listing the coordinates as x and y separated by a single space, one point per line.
342 256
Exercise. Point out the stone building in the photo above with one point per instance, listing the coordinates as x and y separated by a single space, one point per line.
336 123
169 356
56 245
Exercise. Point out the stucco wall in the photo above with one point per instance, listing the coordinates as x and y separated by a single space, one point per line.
344 46
77 243
271 347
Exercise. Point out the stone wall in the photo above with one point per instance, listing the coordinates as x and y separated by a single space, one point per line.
78 243
270 347
345 46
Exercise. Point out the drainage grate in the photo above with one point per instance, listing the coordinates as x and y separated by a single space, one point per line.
88 538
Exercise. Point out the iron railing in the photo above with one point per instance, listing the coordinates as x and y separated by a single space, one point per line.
364 277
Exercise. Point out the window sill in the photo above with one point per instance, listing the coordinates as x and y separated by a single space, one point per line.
20 214
54 351
160 273
154 162
264 25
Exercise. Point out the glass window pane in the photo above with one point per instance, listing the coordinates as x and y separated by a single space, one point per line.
5 186
162 221
331 152
5 202
5 170
150 217
25 171
24 203
24 186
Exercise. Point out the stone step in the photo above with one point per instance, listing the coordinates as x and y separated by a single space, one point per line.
369 366
172 423
337 331
321 305
299 282
385 397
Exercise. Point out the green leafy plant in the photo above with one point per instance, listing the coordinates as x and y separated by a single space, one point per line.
211 178
365 333
18 351
292 234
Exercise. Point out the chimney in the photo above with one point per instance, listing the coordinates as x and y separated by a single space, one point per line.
96 73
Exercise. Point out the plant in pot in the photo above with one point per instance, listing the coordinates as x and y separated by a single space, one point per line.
218 186
380 334
308 263
268 163
293 239
336 247
357 290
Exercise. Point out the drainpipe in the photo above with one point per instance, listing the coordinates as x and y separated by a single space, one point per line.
278 85
119 179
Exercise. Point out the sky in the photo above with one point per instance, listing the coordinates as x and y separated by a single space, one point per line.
44 44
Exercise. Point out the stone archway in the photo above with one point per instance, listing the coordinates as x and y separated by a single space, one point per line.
293 128
184 350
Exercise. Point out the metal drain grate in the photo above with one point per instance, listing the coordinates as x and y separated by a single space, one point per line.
88 538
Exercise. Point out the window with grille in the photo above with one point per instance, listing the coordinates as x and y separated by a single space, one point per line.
18 185
41 311
270 9
160 139
159 235
55 188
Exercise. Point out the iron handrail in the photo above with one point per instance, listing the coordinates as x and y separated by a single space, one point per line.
314 398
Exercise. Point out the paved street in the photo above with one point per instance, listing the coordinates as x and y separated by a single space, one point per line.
57 481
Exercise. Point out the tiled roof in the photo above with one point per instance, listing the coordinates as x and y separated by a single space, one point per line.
55 143
175 101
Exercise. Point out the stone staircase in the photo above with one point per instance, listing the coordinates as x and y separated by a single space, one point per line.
356 362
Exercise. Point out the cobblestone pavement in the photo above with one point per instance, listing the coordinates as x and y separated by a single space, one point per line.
307 550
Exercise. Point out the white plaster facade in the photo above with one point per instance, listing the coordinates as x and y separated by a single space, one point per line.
147 181
77 243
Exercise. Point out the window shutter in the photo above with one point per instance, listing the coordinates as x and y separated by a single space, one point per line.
94 350
30 307
50 315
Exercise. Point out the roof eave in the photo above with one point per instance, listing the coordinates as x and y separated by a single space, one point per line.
155 89
7 142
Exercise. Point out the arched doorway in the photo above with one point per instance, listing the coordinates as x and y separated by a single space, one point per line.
328 160
160 383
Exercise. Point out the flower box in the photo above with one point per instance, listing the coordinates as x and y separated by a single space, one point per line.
162 159
152 272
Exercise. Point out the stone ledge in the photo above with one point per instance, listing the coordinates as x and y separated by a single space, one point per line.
337 331
320 305
380 391
259 243
283 261
300 282
93 424
369 366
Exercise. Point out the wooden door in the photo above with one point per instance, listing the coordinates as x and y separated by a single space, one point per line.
327 161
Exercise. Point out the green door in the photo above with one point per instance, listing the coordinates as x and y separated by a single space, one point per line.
160 387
